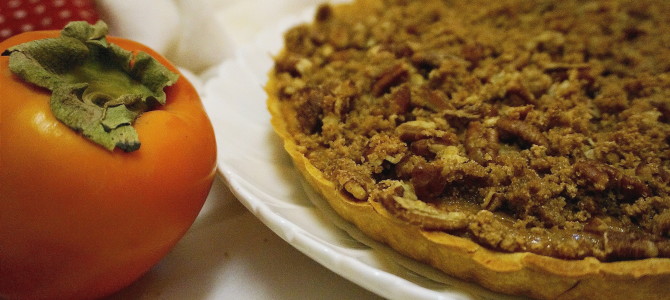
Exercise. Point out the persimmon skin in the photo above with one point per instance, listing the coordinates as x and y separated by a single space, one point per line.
78 221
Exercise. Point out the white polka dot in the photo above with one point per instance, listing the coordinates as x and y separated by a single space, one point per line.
79 3
20 14
59 3
64 14
46 21
84 14
27 27
14 3
5 32
40 9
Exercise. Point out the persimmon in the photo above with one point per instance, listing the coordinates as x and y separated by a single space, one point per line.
83 217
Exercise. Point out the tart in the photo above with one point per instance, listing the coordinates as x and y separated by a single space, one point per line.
522 145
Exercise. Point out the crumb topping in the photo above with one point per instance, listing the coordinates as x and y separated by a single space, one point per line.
539 126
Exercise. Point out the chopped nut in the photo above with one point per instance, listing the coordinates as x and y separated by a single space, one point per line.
427 180
400 100
522 130
390 78
416 130
602 177
288 63
433 100
310 110
303 66
481 143
421 214
621 245
492 200
356 190
323 13
431 147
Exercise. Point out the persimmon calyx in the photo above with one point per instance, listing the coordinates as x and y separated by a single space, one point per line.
98 88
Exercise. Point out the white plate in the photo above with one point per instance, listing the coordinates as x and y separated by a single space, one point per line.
262 177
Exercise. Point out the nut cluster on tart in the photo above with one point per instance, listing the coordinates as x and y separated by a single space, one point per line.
523 145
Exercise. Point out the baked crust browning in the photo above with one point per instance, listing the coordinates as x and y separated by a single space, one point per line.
520 145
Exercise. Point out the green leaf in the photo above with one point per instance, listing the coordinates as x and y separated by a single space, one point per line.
86 32
118 116
45 68
98 88
66 104
153 74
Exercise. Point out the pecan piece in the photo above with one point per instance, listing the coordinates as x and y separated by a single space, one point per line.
473 52
429 147
288 63
603 177
421 214
629 246
596 225
390 78
352 179
522 130
481 143
416 130
632 187
355 189
323 13
401 99
422 148
431 99
352 183
427 180
492 200
309 110
518 94
593 173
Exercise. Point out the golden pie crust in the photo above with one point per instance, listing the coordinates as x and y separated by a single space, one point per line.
512 272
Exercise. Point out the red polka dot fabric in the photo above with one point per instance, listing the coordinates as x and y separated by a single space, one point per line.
18 16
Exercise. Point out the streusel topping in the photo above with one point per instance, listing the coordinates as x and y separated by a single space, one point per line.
539 126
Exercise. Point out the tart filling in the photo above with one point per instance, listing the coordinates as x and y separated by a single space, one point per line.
525 126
